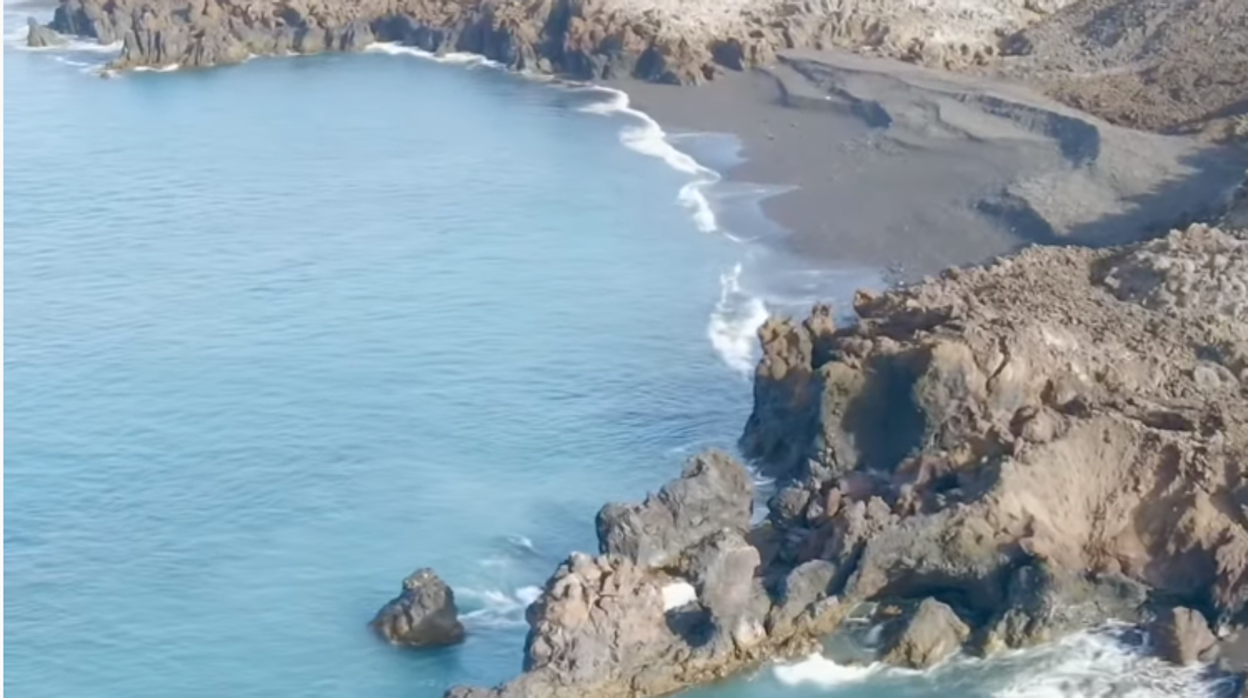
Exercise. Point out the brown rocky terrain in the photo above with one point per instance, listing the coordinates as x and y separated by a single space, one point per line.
1153 64
1166 65
989 460
1044 442
677 42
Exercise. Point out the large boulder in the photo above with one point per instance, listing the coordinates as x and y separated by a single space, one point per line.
713 493
802 596
422 615
1181 635
927 636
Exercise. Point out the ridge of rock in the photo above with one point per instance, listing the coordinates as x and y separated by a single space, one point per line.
660 40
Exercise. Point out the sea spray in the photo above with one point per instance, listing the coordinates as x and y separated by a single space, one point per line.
734 323
454 57
494 608
1090 664
821 671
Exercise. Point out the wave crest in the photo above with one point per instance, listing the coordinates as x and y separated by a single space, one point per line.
648 138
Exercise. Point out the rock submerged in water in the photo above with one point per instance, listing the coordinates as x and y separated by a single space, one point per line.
40 36
422 615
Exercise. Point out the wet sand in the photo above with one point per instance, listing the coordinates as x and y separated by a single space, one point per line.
903 168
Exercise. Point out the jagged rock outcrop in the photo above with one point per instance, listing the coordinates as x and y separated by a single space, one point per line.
1044 442
1013 453
603 626
713 493
676 42
39 36
422 615
1182 636
925 637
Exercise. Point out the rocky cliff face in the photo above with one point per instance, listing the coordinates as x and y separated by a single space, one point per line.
1066 430
661 40
1011 453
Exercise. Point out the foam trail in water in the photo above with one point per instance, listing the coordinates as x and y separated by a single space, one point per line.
648 138
497 609
821 671
523 543
734 324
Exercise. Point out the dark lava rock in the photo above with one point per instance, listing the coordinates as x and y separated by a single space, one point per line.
422 615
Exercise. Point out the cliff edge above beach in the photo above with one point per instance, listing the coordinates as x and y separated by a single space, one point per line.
1156 65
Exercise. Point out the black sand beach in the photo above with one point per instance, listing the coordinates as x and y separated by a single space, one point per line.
900 167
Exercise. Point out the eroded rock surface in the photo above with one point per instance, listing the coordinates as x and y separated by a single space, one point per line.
713 493
1077 409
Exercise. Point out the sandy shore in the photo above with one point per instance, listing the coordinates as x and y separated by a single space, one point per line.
904 168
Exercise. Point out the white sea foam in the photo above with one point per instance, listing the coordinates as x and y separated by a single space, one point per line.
157 69
528 594
1096 664
734 323
821 671
456 57
495 608
648 138
1086 665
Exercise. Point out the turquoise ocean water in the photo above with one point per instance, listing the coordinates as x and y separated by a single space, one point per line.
278 334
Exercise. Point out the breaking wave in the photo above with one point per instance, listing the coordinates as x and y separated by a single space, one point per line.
455 57
824 672
492 608
648 138
734 323
1093 664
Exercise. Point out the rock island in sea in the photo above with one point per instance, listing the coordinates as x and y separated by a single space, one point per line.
985 460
